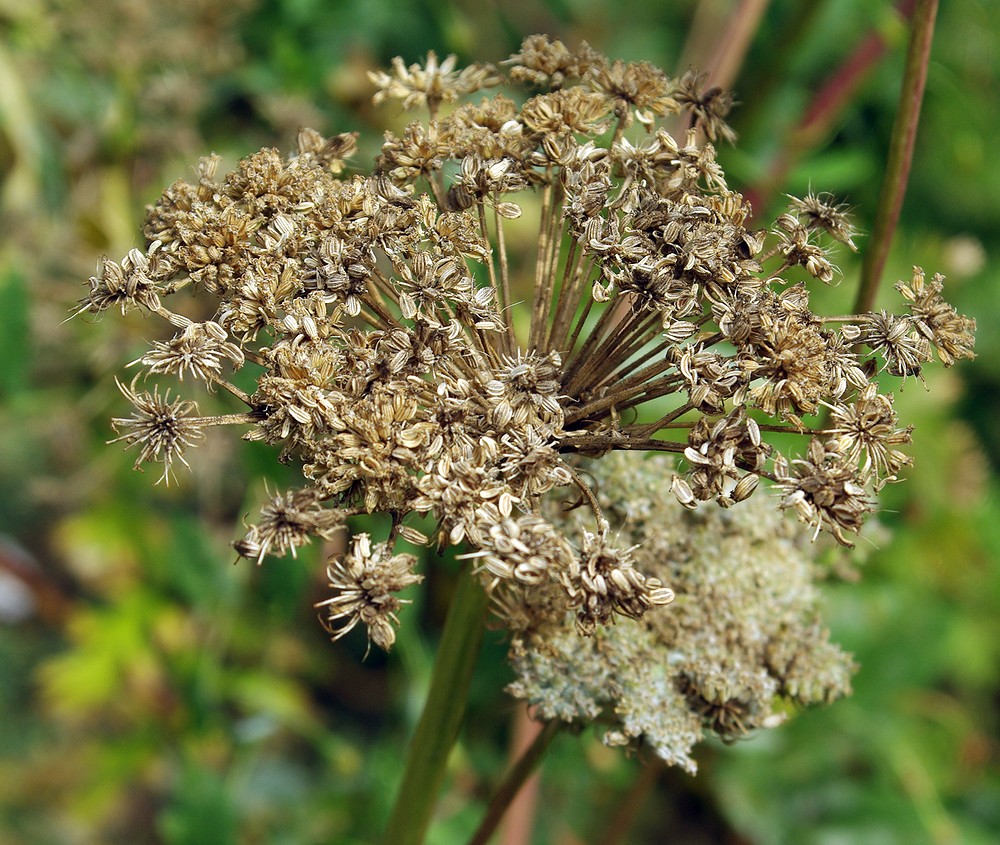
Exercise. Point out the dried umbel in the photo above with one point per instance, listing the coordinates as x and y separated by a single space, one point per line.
381 315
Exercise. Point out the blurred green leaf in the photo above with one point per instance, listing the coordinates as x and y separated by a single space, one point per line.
201 811
15 339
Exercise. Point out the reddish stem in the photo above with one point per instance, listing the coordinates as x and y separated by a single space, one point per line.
824 110
519 820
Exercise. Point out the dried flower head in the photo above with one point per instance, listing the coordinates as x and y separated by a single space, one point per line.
288 522
126 286
365 582
821 211
950 333
432 83
412 359
199 349
162 428
550 63
708 107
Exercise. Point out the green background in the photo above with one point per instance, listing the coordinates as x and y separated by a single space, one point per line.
151 692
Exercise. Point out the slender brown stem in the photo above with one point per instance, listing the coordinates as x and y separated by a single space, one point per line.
541 264
766 78
629 805
609 315
254 358
654 390
588 494
640 375
387 320
504 282
512 782
664 422
555 241
731 47
904 136
567 290
619 129
634 337
232 388
616 320
382 289
602 442
486 239
226 419
624 398
580 323
519 820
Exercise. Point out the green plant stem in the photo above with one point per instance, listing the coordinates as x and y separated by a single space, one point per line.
512 783
904 135
442 715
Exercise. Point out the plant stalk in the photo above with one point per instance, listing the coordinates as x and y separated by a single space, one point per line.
513 782
441 719
826 107
631 803
904 136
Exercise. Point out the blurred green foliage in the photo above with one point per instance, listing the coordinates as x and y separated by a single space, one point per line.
153 693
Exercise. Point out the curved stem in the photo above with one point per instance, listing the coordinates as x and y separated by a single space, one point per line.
588 494
239 394
631 803
441 719
904 136
506 303
731 47
513 782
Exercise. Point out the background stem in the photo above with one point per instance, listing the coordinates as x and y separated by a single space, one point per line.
904 135
631 803
519 820
512 783
819 119
441 719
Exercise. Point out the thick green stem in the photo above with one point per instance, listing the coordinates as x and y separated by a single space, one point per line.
442 716
904 136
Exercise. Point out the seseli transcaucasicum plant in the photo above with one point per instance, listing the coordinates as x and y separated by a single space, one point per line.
413 364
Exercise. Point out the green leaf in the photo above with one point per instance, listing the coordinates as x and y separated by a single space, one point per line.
15 343
202 812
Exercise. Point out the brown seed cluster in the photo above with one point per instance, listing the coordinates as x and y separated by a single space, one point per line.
412 363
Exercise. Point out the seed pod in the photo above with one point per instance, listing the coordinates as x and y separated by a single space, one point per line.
744 487
682 491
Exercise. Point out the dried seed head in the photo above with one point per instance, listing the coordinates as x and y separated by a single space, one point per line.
287 523
366 580
127 285
411 360
199 350
162 428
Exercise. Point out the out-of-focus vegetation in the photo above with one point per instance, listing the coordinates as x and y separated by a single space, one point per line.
153 693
